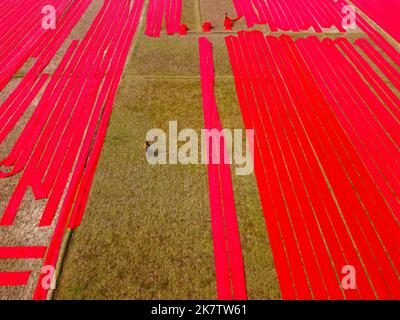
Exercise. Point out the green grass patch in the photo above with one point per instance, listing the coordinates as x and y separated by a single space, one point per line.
146 233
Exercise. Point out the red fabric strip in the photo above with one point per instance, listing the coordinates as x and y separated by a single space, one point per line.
227 248
292 95
22 252
14 278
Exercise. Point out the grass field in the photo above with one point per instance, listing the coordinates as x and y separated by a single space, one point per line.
147 232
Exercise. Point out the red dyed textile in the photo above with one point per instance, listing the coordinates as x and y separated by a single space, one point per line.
384 12
326 158
229 268
19 278
26 39
183 29
19 41
207 26
58 150
169 10
22 252
293 15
